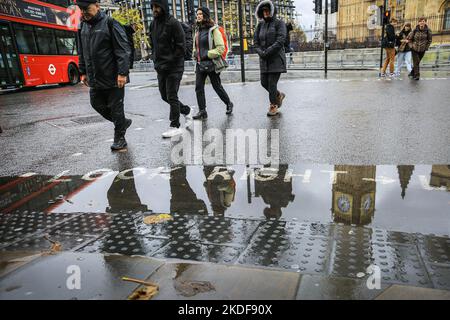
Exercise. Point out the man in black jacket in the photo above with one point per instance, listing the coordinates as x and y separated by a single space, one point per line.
104 58
167 41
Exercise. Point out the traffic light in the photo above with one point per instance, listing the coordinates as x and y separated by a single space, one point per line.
317 6
334 6
387 16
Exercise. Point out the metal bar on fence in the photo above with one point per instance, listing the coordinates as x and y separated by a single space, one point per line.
241 42
382 33
326 37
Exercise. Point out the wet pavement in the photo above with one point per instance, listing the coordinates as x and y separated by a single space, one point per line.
345 120
338 203
329 221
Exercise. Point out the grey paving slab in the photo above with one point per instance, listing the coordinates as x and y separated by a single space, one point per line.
228 282
314 287
399 292
100 277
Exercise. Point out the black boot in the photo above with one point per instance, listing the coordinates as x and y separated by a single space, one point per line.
229 108
201 115
128 123
119 142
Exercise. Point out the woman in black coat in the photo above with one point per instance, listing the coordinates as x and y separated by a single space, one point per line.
269 39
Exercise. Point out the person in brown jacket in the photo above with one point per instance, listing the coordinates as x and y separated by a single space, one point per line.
419 41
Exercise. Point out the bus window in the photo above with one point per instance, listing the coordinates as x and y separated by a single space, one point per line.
25 39
46 41
66 42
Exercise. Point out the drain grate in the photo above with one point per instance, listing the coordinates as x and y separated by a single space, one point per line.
88 120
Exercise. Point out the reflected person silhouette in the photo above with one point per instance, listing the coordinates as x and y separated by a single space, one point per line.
275 188
220 187
122 195
183 199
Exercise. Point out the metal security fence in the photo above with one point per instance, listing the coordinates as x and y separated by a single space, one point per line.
366 58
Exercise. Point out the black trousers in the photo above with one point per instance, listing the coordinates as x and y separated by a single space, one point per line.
109 103
417 57
270 81
168 84
200 79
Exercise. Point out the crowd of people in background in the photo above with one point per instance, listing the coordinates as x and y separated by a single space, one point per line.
106 55
404 46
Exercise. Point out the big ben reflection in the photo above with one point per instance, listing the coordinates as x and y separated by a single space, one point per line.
353 200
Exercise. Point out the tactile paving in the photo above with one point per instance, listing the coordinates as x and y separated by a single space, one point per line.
21 225
285 245
193 250
38 242
126 244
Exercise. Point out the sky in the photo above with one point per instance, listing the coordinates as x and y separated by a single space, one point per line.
305 8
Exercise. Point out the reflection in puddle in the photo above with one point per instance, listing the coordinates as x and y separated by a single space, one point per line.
402 198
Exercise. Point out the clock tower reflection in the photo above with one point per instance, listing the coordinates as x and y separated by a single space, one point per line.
353 200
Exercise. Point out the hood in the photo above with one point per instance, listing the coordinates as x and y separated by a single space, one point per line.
259 13
164 4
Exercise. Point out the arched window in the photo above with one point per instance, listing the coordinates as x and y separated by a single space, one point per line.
447 16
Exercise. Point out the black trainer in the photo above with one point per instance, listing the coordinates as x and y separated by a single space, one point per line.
119 143
201 115
229 108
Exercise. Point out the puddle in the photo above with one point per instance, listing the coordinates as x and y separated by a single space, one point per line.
406 198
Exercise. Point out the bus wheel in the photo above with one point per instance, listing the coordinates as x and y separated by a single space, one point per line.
74 75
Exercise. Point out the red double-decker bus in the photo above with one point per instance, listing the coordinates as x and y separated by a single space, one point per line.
38 42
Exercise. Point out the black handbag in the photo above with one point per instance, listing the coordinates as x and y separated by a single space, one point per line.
206 66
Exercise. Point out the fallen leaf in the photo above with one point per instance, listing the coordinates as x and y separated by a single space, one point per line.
157 218
143 293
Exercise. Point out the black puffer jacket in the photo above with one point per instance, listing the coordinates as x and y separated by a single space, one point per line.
269 39
104 51
189 40
167 41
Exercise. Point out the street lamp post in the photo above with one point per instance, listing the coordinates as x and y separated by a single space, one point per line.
241 41
326 37
382 34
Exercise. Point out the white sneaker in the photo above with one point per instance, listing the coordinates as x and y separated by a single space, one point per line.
188 118
172 132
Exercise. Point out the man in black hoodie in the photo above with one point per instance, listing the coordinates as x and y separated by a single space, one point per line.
167 41
104 55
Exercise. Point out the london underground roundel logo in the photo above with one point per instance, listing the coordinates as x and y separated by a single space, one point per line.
52 69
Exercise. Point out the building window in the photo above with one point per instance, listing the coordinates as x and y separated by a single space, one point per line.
447 19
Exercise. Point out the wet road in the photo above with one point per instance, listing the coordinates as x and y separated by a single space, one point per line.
337 203
342 120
